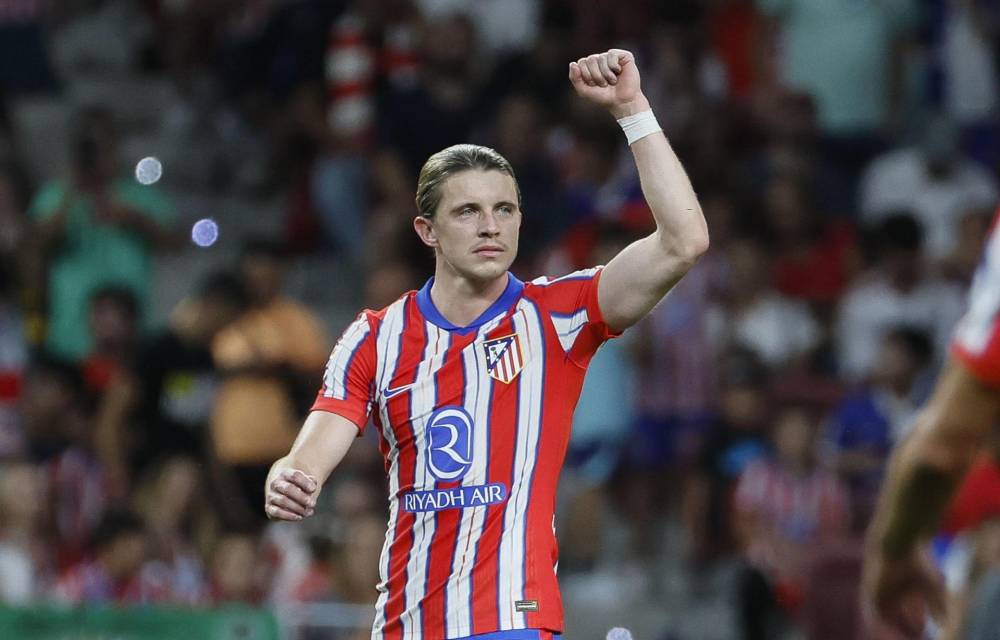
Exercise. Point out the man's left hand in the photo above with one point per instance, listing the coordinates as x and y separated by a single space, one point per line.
610 79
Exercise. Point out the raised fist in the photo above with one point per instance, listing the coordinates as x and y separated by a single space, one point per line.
609 79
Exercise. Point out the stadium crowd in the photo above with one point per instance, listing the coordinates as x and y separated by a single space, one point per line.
847 157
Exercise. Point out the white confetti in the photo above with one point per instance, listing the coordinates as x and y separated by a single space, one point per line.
619 633
148 170
205 232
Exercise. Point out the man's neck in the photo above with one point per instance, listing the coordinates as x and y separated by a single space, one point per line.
461 300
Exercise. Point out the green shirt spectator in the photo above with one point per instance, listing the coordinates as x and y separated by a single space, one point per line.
840 52
100 241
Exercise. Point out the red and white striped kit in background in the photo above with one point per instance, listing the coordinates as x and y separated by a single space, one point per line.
474 424
977 337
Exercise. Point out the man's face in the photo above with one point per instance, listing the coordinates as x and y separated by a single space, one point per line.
475 228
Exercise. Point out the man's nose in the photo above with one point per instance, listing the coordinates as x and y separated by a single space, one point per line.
488 224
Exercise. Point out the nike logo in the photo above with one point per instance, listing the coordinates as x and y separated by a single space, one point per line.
392 391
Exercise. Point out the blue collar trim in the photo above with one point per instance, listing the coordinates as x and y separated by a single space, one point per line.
506 299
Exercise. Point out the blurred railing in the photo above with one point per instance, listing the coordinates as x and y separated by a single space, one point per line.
49 622
319 621
323 621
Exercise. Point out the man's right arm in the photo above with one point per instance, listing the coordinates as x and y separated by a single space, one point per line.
294 481
339 414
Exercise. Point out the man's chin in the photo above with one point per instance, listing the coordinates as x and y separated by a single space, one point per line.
488 272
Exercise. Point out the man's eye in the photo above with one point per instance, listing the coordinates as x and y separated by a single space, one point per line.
507 211
468 211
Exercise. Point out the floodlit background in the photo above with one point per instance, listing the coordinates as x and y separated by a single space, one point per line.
196 197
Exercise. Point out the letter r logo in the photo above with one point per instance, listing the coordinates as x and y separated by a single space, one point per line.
449 443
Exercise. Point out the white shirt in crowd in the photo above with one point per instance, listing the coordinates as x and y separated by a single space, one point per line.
898 182
775 328
872 307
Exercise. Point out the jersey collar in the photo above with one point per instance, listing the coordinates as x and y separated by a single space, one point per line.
506 299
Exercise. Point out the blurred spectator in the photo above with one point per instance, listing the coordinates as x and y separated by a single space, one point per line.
387 282
969 47
173 570
598 189
933 181
356 568
842 52
25 559
161 405
896 291
57 434
733 27
111 574
333 110
814 257
419 118
24 58
675 357
22 265
786 508
601 422
97 228
520 137
13 360
238 572
780 331
505 25
539 69
114 333
270 359
734 441
14 239
865 426
316 582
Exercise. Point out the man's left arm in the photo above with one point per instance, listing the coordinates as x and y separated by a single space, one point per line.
636 279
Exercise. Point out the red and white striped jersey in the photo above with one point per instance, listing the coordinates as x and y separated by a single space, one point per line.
977 336
474 424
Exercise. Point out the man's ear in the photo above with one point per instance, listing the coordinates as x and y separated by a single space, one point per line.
425 229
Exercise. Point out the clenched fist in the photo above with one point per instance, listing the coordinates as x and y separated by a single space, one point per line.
611 80
291 495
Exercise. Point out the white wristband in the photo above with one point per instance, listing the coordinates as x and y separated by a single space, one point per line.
639 125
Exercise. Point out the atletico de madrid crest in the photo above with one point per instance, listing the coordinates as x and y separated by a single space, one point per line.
503 358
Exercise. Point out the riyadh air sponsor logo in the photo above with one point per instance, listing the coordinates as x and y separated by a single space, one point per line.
503 358
455 498
449 458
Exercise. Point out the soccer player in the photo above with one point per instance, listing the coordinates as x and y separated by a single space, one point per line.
900 579
472 382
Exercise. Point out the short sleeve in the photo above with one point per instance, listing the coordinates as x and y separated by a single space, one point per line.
350 374
976 342
571 302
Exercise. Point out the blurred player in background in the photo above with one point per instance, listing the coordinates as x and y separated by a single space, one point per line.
473 380
951 432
